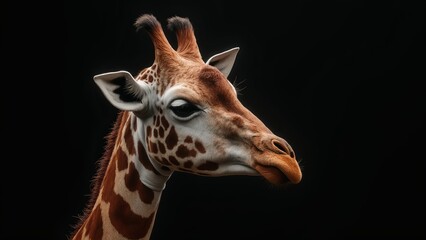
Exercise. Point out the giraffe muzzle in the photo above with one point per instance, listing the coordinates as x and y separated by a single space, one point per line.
276 162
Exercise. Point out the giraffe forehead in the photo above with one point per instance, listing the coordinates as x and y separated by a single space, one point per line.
218 90
176 70
206 83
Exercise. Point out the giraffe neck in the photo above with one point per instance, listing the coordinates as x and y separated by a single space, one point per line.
131 189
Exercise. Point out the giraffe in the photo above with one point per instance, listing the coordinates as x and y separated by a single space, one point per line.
179 114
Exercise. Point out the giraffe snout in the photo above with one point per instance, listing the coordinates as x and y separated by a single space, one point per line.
276 161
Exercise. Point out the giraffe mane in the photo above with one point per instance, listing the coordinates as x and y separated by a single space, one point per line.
100 173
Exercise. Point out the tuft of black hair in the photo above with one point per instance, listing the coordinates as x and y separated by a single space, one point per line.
177 23
146 21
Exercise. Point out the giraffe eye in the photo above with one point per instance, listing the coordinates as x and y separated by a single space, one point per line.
183 110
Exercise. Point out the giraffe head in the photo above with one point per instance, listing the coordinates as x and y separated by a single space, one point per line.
187 114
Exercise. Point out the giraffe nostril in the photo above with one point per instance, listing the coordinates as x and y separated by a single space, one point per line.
279 146
283 147
292 154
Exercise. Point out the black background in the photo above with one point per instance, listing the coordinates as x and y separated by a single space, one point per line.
342 81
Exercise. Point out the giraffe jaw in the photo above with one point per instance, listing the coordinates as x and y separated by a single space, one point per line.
279 170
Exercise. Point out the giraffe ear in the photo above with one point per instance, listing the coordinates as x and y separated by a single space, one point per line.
224 60
123 91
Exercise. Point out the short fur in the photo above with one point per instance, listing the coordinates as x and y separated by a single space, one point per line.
187 44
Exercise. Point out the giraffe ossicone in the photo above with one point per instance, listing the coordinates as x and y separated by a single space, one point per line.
179 114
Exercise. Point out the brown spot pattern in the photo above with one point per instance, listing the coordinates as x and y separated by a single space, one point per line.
164 122
122 159
172 138
133 183
128 138
162 147
208 166
170 142
173 160
199 146
188 139
188 164
184 152
161 132
157 121
125 221
148 131
165 161
94 227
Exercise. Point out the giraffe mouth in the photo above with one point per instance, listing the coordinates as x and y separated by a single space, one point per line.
279 171
272 175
